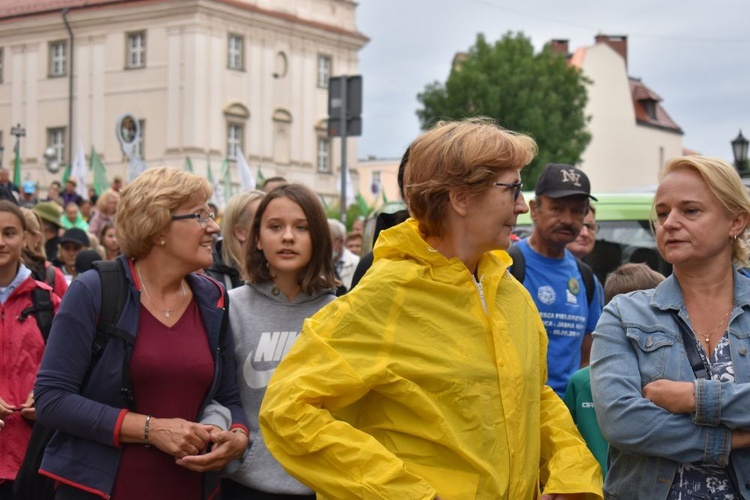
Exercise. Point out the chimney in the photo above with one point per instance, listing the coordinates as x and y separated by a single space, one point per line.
458 60
618 43
559 47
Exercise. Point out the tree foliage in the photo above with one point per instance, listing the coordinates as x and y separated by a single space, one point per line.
534 93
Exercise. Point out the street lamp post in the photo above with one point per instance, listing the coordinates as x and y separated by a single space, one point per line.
739 148
2 150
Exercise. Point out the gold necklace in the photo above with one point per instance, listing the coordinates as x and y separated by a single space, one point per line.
167 311
707 337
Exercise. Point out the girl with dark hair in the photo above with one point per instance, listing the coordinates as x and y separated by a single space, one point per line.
21 345
290 277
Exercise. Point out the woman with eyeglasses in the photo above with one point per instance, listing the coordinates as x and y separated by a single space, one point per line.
427 380
173 332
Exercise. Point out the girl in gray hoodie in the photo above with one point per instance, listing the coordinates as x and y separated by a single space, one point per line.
290 277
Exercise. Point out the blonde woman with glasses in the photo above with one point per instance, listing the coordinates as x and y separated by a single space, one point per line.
128 424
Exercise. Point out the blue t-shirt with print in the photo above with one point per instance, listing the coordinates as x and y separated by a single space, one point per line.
557 287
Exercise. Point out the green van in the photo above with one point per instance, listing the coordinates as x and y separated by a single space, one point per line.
624 234
624 231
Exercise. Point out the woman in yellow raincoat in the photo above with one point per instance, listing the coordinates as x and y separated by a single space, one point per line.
428 379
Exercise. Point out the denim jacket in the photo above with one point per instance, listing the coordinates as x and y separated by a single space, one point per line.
637 341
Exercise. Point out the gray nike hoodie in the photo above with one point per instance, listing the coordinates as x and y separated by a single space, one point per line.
265 326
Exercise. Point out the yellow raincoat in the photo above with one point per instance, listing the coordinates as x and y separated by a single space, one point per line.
405 388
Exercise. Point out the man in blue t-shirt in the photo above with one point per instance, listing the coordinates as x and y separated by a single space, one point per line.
552 276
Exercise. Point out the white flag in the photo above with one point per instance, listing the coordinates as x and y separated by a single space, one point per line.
247 181
79 172
349 188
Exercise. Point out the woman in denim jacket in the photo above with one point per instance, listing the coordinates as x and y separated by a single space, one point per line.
673 436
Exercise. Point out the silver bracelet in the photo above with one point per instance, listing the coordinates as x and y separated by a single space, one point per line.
145 432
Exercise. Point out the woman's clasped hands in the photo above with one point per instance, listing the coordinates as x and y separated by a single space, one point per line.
198 447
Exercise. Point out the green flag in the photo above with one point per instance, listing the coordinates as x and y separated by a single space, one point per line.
100 173
66 174
261 178
385 198
209 174
17 166
364 208
188 165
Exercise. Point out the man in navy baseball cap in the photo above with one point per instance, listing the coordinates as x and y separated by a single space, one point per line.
557 282
558 180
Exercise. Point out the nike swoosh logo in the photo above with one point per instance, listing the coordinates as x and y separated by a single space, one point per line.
255 379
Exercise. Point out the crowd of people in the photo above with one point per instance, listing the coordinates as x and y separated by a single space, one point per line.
267 357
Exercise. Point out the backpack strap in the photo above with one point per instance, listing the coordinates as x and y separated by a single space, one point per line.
588 279
518 268
49 276
115 289
42 309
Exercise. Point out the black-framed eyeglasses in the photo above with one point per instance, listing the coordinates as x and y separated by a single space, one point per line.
592 227
515 186
202 216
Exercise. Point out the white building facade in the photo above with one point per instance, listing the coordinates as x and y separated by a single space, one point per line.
203 77
631 133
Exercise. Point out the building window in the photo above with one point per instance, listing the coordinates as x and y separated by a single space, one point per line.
650 106
136 50
280 65
324 156
234 140
375 185
57 58
1 64
236 52
324 70
56 141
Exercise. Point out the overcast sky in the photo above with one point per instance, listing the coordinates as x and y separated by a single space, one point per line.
694 53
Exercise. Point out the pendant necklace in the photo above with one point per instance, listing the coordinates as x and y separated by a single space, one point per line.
165 312
707 337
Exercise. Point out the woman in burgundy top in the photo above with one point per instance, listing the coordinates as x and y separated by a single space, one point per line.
153 446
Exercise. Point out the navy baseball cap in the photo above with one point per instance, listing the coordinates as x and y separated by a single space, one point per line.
559 180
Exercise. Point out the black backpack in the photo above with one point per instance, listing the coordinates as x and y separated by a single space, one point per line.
41 305
29 484
518 270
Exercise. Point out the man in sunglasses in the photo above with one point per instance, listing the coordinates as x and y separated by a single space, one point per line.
553 276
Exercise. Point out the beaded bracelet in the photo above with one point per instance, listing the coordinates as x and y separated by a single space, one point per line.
145 432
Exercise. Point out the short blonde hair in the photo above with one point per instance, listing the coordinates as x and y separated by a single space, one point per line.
237 213
725 184
101 202
146 206
462 154
34 226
